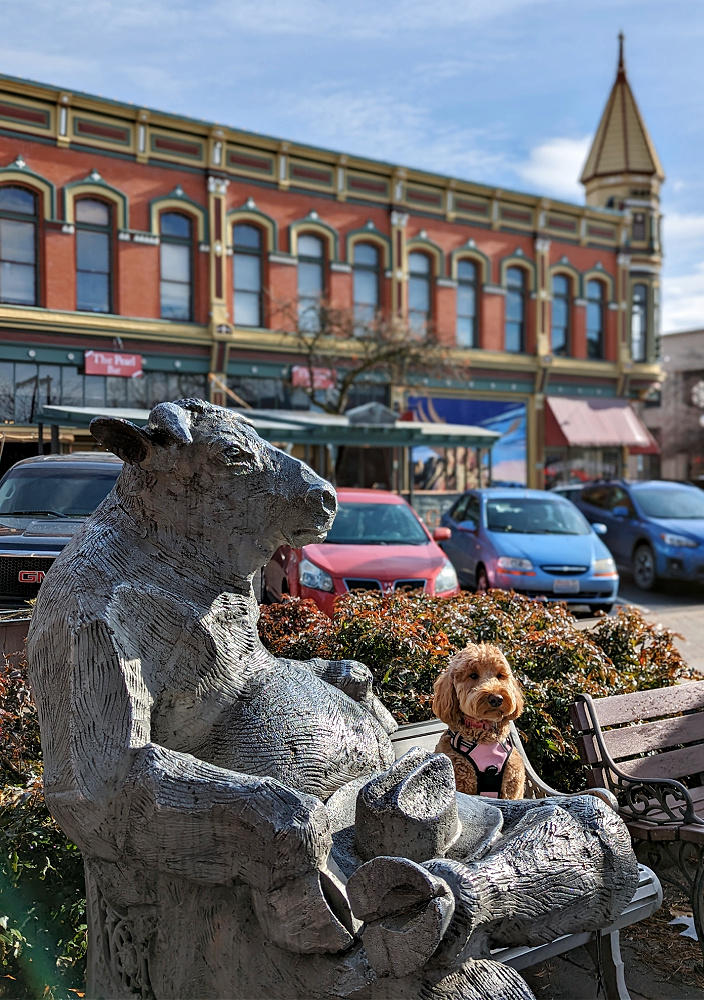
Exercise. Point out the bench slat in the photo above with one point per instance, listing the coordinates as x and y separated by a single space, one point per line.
654 704
671 764
660 735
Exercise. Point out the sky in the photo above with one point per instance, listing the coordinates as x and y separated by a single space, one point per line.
503 92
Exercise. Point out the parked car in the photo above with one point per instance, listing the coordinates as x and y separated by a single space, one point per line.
534 542
377 542
654 528
43 502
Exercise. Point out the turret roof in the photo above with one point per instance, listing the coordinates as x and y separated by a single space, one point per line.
622 143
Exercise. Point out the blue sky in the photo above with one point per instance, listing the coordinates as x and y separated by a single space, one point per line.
505 92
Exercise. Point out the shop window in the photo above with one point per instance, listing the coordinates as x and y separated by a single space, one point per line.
93 256
419 298
311 281
248 248
639 322
176 263
18 246
595 319
561 314
515 310
365 284
467 283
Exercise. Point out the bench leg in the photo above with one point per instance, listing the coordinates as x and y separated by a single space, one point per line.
609 963
698 899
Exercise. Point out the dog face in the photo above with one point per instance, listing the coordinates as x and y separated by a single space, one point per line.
477 684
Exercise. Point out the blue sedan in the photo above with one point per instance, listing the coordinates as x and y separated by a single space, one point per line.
533 542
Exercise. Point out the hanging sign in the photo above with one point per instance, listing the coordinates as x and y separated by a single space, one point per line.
109 363
323 378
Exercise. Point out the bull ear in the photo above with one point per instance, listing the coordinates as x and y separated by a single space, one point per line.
126 440
169 422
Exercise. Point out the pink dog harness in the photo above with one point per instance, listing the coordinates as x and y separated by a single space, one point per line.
488 760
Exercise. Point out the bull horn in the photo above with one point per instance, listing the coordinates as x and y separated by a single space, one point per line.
170 420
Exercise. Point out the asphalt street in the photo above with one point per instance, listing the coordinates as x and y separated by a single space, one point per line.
676 606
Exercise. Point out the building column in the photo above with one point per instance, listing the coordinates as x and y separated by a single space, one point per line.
219 320
622 297
535 441
399 276
543 297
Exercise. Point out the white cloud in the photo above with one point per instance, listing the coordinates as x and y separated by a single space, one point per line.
683 301
683 273
553 167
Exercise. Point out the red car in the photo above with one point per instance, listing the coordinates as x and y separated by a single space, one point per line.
377 542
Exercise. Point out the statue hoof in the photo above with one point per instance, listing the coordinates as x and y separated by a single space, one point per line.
406 911
410 810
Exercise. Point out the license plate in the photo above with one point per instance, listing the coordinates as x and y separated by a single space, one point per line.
565 586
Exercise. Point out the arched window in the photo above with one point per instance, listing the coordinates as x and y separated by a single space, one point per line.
515 310
419 299
93 255
18 246
595 319
466 304
639 323
561 314
247 264
311 280
176 252
365 284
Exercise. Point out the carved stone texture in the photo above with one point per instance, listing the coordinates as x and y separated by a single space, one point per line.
213 788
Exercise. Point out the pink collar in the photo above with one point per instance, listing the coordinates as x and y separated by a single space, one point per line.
491 727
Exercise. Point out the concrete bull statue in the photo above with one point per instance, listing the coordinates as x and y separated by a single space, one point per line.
245 829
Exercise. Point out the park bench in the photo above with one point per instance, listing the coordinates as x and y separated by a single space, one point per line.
648 749
603 946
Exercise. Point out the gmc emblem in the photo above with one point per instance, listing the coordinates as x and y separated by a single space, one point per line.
31 575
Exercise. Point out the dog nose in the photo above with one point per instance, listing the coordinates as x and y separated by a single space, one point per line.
495 700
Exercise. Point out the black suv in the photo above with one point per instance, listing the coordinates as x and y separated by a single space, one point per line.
43 502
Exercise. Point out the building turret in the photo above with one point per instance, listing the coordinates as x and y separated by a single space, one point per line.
623 172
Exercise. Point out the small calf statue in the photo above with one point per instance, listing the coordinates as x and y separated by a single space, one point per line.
211 787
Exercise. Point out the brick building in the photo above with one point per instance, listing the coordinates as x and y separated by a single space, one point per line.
175 245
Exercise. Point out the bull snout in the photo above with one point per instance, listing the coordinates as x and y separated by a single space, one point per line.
495 700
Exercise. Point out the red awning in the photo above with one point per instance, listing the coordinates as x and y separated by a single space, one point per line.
596 423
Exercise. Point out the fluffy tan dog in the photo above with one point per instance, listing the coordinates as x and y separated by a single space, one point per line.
477 697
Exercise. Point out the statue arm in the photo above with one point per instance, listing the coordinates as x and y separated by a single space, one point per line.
356 680
169 809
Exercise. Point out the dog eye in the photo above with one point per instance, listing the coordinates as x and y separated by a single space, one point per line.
474 677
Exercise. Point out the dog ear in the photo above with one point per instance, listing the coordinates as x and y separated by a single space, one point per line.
446 704
517 698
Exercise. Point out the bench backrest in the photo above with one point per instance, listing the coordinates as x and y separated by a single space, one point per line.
665 723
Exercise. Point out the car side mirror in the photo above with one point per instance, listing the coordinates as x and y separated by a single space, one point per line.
621 511
599 529
467 526
441 534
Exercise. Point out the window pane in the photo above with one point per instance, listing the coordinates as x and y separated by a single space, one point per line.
466 300
515 277
466 270
310 278
25 392
594 315
560 285
175 262
92 251
49 385
92 292
366 288
514 337
17 241
365 253
175 300
465 331
72 386
175 224
95 213
7 390
115 391
247 309
419 294
560 309
363 314
248 236
14 199
419 263
17 283
310 246
95 390
248 272
514 306
595 291
309 314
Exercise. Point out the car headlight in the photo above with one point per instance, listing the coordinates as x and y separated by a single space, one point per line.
510 564
310 575
604 567
446 579
678 541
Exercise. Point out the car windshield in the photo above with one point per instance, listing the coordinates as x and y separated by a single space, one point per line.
53 491
376 524
535 517
671 503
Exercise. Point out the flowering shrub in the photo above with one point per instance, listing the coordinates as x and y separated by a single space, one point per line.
407 638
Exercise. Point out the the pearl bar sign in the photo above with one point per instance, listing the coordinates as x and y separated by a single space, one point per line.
109 363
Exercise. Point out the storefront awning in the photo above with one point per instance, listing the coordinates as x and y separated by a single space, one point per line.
596 423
